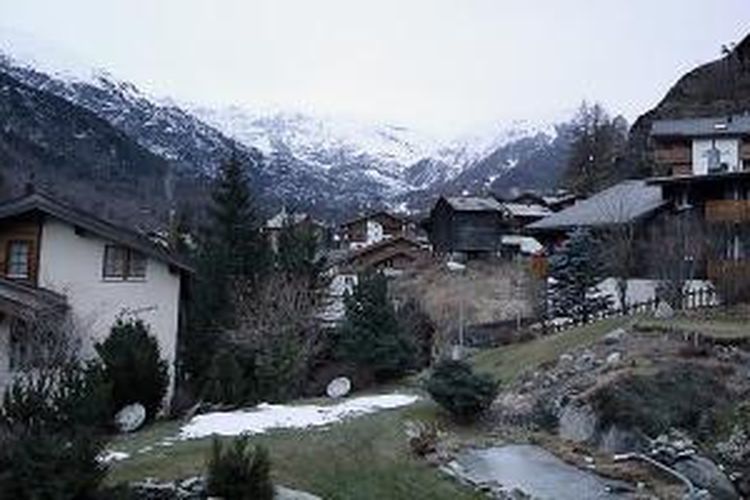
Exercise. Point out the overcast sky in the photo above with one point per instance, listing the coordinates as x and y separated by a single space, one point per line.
441 65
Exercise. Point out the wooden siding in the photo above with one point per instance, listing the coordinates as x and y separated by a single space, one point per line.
719 269
21 229
357 230
727 211
673 153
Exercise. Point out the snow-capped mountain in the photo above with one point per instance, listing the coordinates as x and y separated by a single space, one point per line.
330 165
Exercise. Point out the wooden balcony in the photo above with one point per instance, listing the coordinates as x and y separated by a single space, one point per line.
728 211
672 155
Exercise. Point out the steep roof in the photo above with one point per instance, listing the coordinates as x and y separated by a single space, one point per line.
624 202
702 127
526 209
37 202
474 204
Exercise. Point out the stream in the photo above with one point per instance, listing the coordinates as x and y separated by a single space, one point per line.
536 472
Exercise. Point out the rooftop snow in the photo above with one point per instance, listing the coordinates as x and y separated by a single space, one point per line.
526 210
474 203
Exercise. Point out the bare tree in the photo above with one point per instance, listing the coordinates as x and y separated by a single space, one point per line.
677 248
277 324
44 339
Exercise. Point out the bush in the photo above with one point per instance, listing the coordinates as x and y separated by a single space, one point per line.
239 472
226 381
50 437
455 387
685 396
132 363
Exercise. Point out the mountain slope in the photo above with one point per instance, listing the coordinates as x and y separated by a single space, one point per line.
68 149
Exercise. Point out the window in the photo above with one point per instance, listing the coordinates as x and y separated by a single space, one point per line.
18 258
122 263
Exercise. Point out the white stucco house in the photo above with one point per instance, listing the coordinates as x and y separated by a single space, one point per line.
55 256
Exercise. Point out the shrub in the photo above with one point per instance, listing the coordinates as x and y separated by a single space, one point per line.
49 434
226 381
133 365
455 387
686 396
239 472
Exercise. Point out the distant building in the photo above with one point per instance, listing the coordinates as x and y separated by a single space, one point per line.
699 146
372 228
469 226
276 224
391 256
88 272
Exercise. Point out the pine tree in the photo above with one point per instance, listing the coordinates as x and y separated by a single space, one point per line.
231 248
575 271
371 336
298 252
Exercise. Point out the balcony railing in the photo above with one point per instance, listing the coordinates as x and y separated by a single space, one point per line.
731 211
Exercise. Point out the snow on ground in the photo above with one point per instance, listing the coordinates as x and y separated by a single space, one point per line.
109 456
265 417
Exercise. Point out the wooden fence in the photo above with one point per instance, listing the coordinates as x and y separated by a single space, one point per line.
693 299
498 333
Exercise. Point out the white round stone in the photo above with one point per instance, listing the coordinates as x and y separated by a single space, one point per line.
130 418
339 387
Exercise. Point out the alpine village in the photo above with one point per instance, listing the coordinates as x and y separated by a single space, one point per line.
185 316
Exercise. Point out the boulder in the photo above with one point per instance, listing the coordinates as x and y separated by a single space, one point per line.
614 358
130 418
578 423
705 474
614 336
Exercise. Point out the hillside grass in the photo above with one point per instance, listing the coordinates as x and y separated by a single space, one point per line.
505 363
362 458
718 328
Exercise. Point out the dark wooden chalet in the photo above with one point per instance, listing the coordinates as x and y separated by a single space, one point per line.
470 226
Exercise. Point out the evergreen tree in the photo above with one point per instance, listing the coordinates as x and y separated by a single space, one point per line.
298 252
371 336
575 271
231 248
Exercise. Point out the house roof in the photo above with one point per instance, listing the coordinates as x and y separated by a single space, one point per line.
526 244
473 204
37 202
702 127
700 178
624 202
373 215
526 209
20 299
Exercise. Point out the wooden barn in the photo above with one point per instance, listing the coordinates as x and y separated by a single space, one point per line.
469 226
372 228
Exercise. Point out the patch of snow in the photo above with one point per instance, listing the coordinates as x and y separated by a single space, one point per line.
266 416
110 456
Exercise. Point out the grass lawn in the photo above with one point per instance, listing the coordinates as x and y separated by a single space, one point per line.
362 458
718 328
506 362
